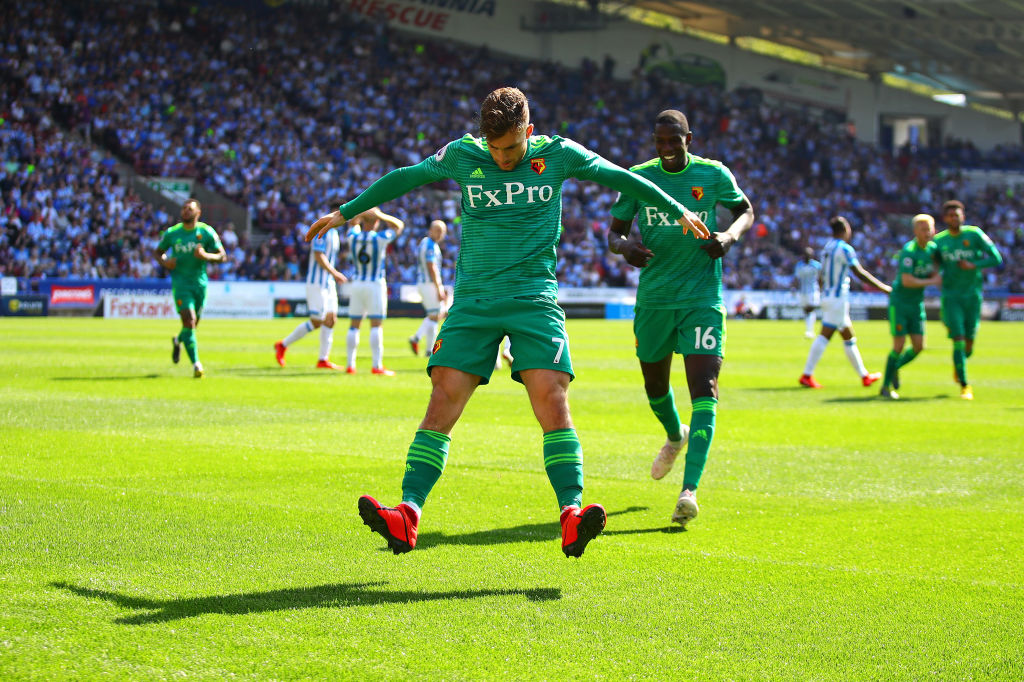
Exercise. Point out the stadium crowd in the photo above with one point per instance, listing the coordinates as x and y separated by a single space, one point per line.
234 98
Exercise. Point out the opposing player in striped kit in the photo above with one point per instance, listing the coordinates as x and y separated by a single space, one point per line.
808 276
369 235
430 285
679 304
505 283
322 280
838 260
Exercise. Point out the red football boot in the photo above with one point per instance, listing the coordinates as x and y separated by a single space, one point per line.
397 525
870 378
327 364
808 381
279 350
383 371
580 527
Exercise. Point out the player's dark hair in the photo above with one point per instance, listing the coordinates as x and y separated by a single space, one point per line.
673 117
952 203
502 111
838 225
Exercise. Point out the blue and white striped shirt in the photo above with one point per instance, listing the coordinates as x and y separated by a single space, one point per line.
329 244
837 258
427 252
807 275
368 251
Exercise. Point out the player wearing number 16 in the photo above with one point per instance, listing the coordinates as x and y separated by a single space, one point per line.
679 306
511 182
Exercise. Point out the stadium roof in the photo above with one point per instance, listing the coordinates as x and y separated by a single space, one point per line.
973 47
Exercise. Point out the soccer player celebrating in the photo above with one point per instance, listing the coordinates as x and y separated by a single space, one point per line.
191 245
511 184
322 279
808 273
915 271
839 260
431 286
679 306
368 240
963 251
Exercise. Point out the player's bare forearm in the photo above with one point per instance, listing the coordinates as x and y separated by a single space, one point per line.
870 279
720 242
324 223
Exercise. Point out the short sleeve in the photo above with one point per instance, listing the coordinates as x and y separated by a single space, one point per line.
729 193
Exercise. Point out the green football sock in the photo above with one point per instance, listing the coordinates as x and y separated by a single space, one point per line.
424 464
188 337
702 430
905 357
960 362
664 409
891 365
563 461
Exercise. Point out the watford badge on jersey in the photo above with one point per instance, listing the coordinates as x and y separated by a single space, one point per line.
697 192
967 242
538 165
437 346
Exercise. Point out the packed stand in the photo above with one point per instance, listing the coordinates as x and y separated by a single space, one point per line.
290 132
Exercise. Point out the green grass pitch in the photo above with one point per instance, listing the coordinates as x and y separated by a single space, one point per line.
153 526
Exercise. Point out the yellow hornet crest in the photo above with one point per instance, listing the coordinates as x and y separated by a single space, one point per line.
538 165
697 192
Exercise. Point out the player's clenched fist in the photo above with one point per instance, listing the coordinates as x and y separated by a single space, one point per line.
324 223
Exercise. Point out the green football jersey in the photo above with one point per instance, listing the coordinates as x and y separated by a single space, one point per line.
511 219
189 271
970 245
916 262
680 273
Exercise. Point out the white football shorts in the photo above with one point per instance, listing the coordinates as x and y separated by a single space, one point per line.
810 300
835 312
368 299
321 300
431 304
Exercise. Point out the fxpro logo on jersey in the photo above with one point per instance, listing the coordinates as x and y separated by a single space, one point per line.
509 195
656 217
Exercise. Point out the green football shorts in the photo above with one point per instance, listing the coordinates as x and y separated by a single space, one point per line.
189 297
906 318
961 315
687 331
468 338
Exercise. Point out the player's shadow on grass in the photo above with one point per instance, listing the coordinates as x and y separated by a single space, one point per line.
336 595
528 532
874 397
275 372
124 377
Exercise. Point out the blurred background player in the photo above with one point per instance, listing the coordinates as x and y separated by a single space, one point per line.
192 245
368 237
322 280
916 270
838 260
808 274
963 250
511 183
431 286
679 304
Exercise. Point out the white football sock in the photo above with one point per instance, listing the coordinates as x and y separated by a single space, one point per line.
811 316
377 346
421 333
853 355
352 343
429 334
817 350
326 339
297 333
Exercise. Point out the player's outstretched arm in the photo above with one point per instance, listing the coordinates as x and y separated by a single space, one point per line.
396 224
692 223
324 223
619 241
911 282
868 278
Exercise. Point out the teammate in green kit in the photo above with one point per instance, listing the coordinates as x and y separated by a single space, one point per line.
963 251
505 284
915 270
679 306
184 250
